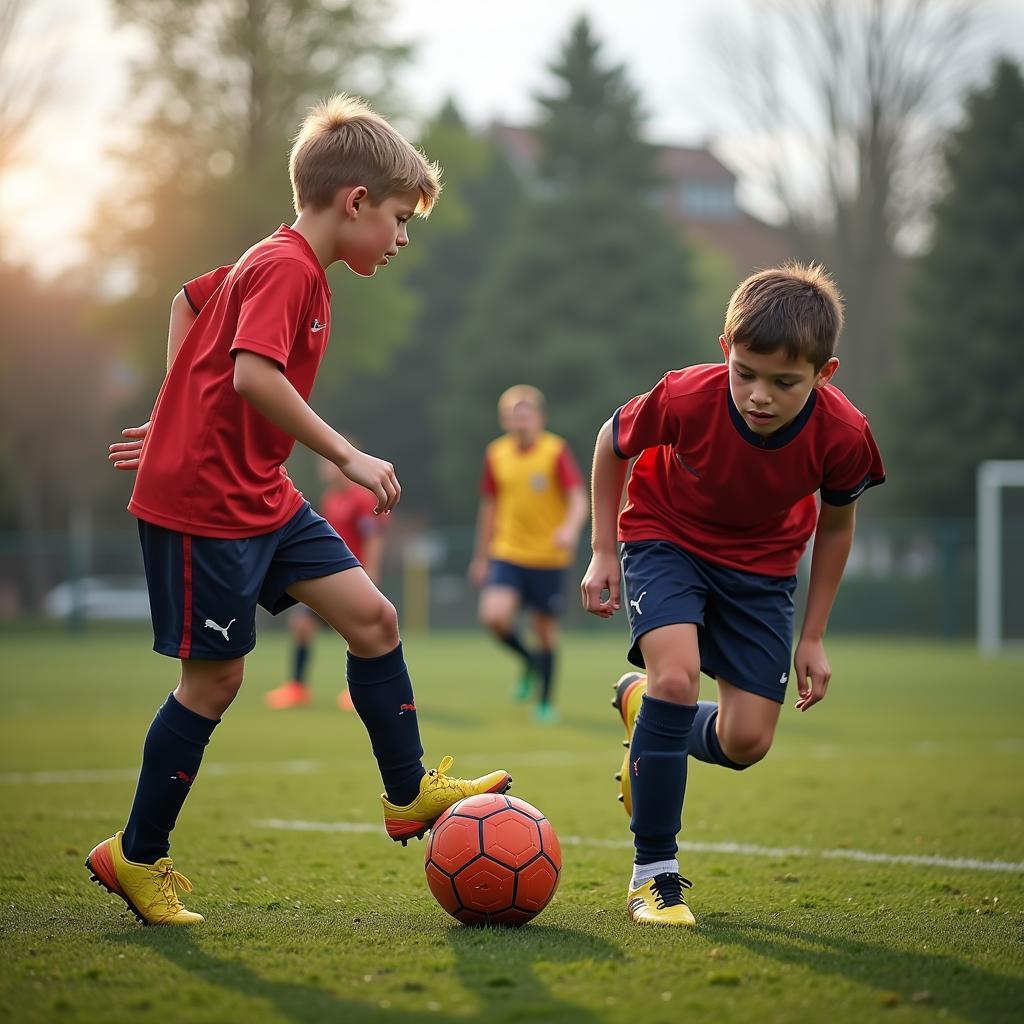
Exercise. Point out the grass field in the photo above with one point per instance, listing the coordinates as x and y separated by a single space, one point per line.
312 915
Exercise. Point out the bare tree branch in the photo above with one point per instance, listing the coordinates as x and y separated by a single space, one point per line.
843 100
27 78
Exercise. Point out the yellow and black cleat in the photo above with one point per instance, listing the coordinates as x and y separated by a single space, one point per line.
149 890
660 901
438 792
629 695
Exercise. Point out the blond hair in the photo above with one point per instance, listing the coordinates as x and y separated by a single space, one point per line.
796 307
343 142
520 393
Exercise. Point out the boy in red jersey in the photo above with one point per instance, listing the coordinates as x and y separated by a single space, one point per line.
222 526
532 506
349 509
720 505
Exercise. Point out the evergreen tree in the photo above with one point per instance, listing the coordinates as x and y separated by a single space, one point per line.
957 400
591 298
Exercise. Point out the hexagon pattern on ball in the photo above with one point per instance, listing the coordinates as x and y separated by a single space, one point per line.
493 859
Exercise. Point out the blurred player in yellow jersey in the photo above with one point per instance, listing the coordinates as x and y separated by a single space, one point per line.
532 507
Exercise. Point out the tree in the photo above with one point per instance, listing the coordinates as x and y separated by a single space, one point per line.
54 407
28 81
29 57
956 399
847 99
590 298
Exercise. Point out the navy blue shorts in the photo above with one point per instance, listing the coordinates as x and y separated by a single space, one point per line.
540 589
203 591
744 620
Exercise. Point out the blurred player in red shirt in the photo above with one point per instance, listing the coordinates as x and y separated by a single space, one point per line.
349 509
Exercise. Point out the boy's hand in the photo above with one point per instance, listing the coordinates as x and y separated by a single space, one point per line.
602 574
812 673
566 538
477 571
125 454
377 476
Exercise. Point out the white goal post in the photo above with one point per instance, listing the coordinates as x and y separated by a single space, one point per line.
993 477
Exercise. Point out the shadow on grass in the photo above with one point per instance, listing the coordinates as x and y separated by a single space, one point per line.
499 966
496 966
959 987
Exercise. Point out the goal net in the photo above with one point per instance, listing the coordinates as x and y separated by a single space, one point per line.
1000 524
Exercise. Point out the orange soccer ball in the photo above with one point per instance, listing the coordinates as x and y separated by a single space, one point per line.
493 859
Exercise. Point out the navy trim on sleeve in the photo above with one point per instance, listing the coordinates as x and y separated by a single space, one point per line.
840 498
615 434
188 298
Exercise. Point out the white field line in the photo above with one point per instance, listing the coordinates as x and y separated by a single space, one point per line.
536 759
90 775
526 759
737 849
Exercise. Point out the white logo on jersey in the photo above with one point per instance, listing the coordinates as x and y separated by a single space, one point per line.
317 326
783 678
210 624
636 604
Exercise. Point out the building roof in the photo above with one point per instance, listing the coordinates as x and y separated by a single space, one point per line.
748 242
521 146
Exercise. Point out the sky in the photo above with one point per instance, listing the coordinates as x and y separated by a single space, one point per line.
491 58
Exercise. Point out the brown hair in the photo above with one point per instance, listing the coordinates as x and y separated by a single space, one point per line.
796 307
343 142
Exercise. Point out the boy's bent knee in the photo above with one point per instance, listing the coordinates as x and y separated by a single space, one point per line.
747 749
209 688
495 622
377 632
675 684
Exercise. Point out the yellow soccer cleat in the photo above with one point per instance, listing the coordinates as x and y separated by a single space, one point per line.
629 695
437 793
150 890
660 901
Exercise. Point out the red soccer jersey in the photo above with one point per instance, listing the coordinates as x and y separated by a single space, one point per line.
705 481
211 464
350 512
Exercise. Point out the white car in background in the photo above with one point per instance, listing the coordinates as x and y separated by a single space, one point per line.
99 597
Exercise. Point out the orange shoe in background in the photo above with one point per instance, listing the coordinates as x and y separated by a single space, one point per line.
345 701
290 695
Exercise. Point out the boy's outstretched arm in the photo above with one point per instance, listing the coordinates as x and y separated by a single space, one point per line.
125 454
833 538
259 381
609 476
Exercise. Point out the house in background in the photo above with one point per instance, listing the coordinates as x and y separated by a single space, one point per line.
698 194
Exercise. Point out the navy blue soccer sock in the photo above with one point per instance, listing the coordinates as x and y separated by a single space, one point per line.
657 776
170 762
513 643
381 692
299 663
544 662
704 743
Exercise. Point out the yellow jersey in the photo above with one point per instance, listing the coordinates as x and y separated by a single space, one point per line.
530 487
